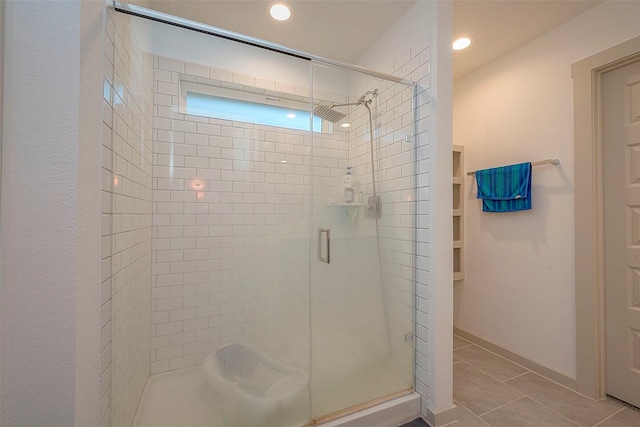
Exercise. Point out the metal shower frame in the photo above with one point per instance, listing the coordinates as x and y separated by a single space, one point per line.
176 21
153 15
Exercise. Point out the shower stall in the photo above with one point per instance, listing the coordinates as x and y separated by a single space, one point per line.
250 284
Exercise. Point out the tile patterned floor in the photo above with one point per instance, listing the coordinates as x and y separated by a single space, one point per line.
491 391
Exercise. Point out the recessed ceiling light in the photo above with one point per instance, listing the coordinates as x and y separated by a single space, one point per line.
280 12
461 43
291 116
345 125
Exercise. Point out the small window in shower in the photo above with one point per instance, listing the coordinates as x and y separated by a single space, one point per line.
235 105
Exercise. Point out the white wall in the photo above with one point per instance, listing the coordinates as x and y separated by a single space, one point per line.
50 214
417 48
519 287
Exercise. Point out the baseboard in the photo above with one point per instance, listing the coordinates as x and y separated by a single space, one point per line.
549 373
443 417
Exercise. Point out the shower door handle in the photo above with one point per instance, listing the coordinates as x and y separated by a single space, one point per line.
324 245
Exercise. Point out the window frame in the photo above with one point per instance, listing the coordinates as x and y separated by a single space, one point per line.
257 96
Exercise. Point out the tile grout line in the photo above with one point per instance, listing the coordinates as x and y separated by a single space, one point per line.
523 393
555 412
542 404
464 346
491 376
609 417
502 406
518 376
457 403
501 357
528 371
532 372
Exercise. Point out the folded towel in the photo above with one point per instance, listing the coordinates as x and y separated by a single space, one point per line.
505 189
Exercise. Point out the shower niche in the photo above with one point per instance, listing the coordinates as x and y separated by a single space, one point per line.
220 176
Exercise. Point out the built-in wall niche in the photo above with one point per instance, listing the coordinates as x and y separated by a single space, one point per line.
458 212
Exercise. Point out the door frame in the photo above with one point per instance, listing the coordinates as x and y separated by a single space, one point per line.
589 213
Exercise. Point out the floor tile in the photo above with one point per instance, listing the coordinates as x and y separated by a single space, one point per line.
466 418
574 406
526 413
459 342
492 364
626 418
478 391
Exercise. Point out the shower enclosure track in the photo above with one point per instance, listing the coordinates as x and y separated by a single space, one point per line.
176 21
357 408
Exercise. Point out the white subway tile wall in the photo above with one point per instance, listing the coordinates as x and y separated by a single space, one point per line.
415 64
231 223
394 147
127 222
209 226
381 286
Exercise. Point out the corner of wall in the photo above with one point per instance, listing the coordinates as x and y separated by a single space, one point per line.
440 369
87 366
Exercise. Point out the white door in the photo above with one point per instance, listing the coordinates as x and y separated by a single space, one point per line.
621 128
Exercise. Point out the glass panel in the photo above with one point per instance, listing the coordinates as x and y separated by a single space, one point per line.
211 234
258 281
128 181
361 301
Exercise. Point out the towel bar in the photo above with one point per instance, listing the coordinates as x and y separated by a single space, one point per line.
555 162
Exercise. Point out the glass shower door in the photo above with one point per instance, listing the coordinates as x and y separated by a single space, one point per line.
362 241
209 184
256 284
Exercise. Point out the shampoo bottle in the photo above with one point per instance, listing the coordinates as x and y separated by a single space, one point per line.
348 192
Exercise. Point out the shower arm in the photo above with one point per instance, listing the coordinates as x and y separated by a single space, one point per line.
361 101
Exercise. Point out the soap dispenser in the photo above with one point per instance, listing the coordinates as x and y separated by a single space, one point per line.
348 192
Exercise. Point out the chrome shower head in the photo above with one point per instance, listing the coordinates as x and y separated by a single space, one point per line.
328 113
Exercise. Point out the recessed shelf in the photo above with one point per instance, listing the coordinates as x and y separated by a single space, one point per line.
458 212
457 264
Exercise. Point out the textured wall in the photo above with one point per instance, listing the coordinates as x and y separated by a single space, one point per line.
50 215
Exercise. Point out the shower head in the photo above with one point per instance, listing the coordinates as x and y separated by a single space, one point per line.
333 116
328 113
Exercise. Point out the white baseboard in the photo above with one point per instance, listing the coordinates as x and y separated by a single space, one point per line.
443 417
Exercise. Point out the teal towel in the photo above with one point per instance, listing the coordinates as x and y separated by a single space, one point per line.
505 189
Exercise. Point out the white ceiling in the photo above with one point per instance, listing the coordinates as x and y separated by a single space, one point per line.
498 27
332 29
343 30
